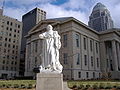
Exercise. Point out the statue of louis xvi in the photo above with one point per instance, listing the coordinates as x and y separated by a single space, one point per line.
50 51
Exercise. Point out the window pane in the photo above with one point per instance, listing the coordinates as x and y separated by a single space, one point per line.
91 45
79 74
65 56
85 58
92 61
77 40
84 43
65 40
78 58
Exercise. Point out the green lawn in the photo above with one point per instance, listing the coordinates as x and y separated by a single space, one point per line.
92 83
70 83
19 82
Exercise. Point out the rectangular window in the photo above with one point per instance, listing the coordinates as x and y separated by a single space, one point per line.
15 30
92 61
18 31
18 26
4 50
91 45
3 61
5 39
79 74
11 68
0 37
65 40
96 47
10 29
35 60
12 62
87 75
36 45
65 56
84 43
77 40
11 23
0 44
85 58
7 22
15 68
9 45
78 58
97 62
9 39
6 67
5 45
9 34
93 74
3 67
14 35
7 28
15 25
13 51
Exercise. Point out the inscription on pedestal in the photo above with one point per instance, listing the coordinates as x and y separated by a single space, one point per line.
49 81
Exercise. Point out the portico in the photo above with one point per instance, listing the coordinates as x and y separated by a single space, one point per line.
110 53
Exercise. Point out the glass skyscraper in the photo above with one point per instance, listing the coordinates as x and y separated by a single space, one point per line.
100 18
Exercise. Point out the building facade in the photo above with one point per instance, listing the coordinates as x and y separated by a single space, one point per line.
85 53
100 18
29 20
110 52
10 43
79 54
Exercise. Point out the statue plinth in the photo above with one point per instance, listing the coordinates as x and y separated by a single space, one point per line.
49 81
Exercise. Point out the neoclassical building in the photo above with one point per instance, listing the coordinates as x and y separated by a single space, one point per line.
85 53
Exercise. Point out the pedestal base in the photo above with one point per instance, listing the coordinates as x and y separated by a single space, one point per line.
49 81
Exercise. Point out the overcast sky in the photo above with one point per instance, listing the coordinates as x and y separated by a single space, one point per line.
79 9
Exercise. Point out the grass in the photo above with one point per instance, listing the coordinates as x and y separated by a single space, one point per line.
19 82
92 83
70 83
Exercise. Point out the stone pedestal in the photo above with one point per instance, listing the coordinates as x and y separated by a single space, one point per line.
49 81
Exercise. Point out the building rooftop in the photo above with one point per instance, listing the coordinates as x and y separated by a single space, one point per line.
99 6
60 19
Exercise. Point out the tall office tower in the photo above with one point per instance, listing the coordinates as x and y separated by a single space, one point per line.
10 42
100 18
29 20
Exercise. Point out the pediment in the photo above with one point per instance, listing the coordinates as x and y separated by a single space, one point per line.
42 24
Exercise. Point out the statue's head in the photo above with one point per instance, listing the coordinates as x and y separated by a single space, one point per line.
49 27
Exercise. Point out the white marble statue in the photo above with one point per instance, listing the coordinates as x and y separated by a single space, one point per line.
50 52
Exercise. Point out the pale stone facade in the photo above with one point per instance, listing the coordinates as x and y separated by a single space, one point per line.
81 51
10 41
110 52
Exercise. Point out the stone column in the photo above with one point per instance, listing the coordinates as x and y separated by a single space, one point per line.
26 59
114 53
118 54
103 56
32 57
39 52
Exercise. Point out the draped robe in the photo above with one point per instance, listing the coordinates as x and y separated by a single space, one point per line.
50 51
